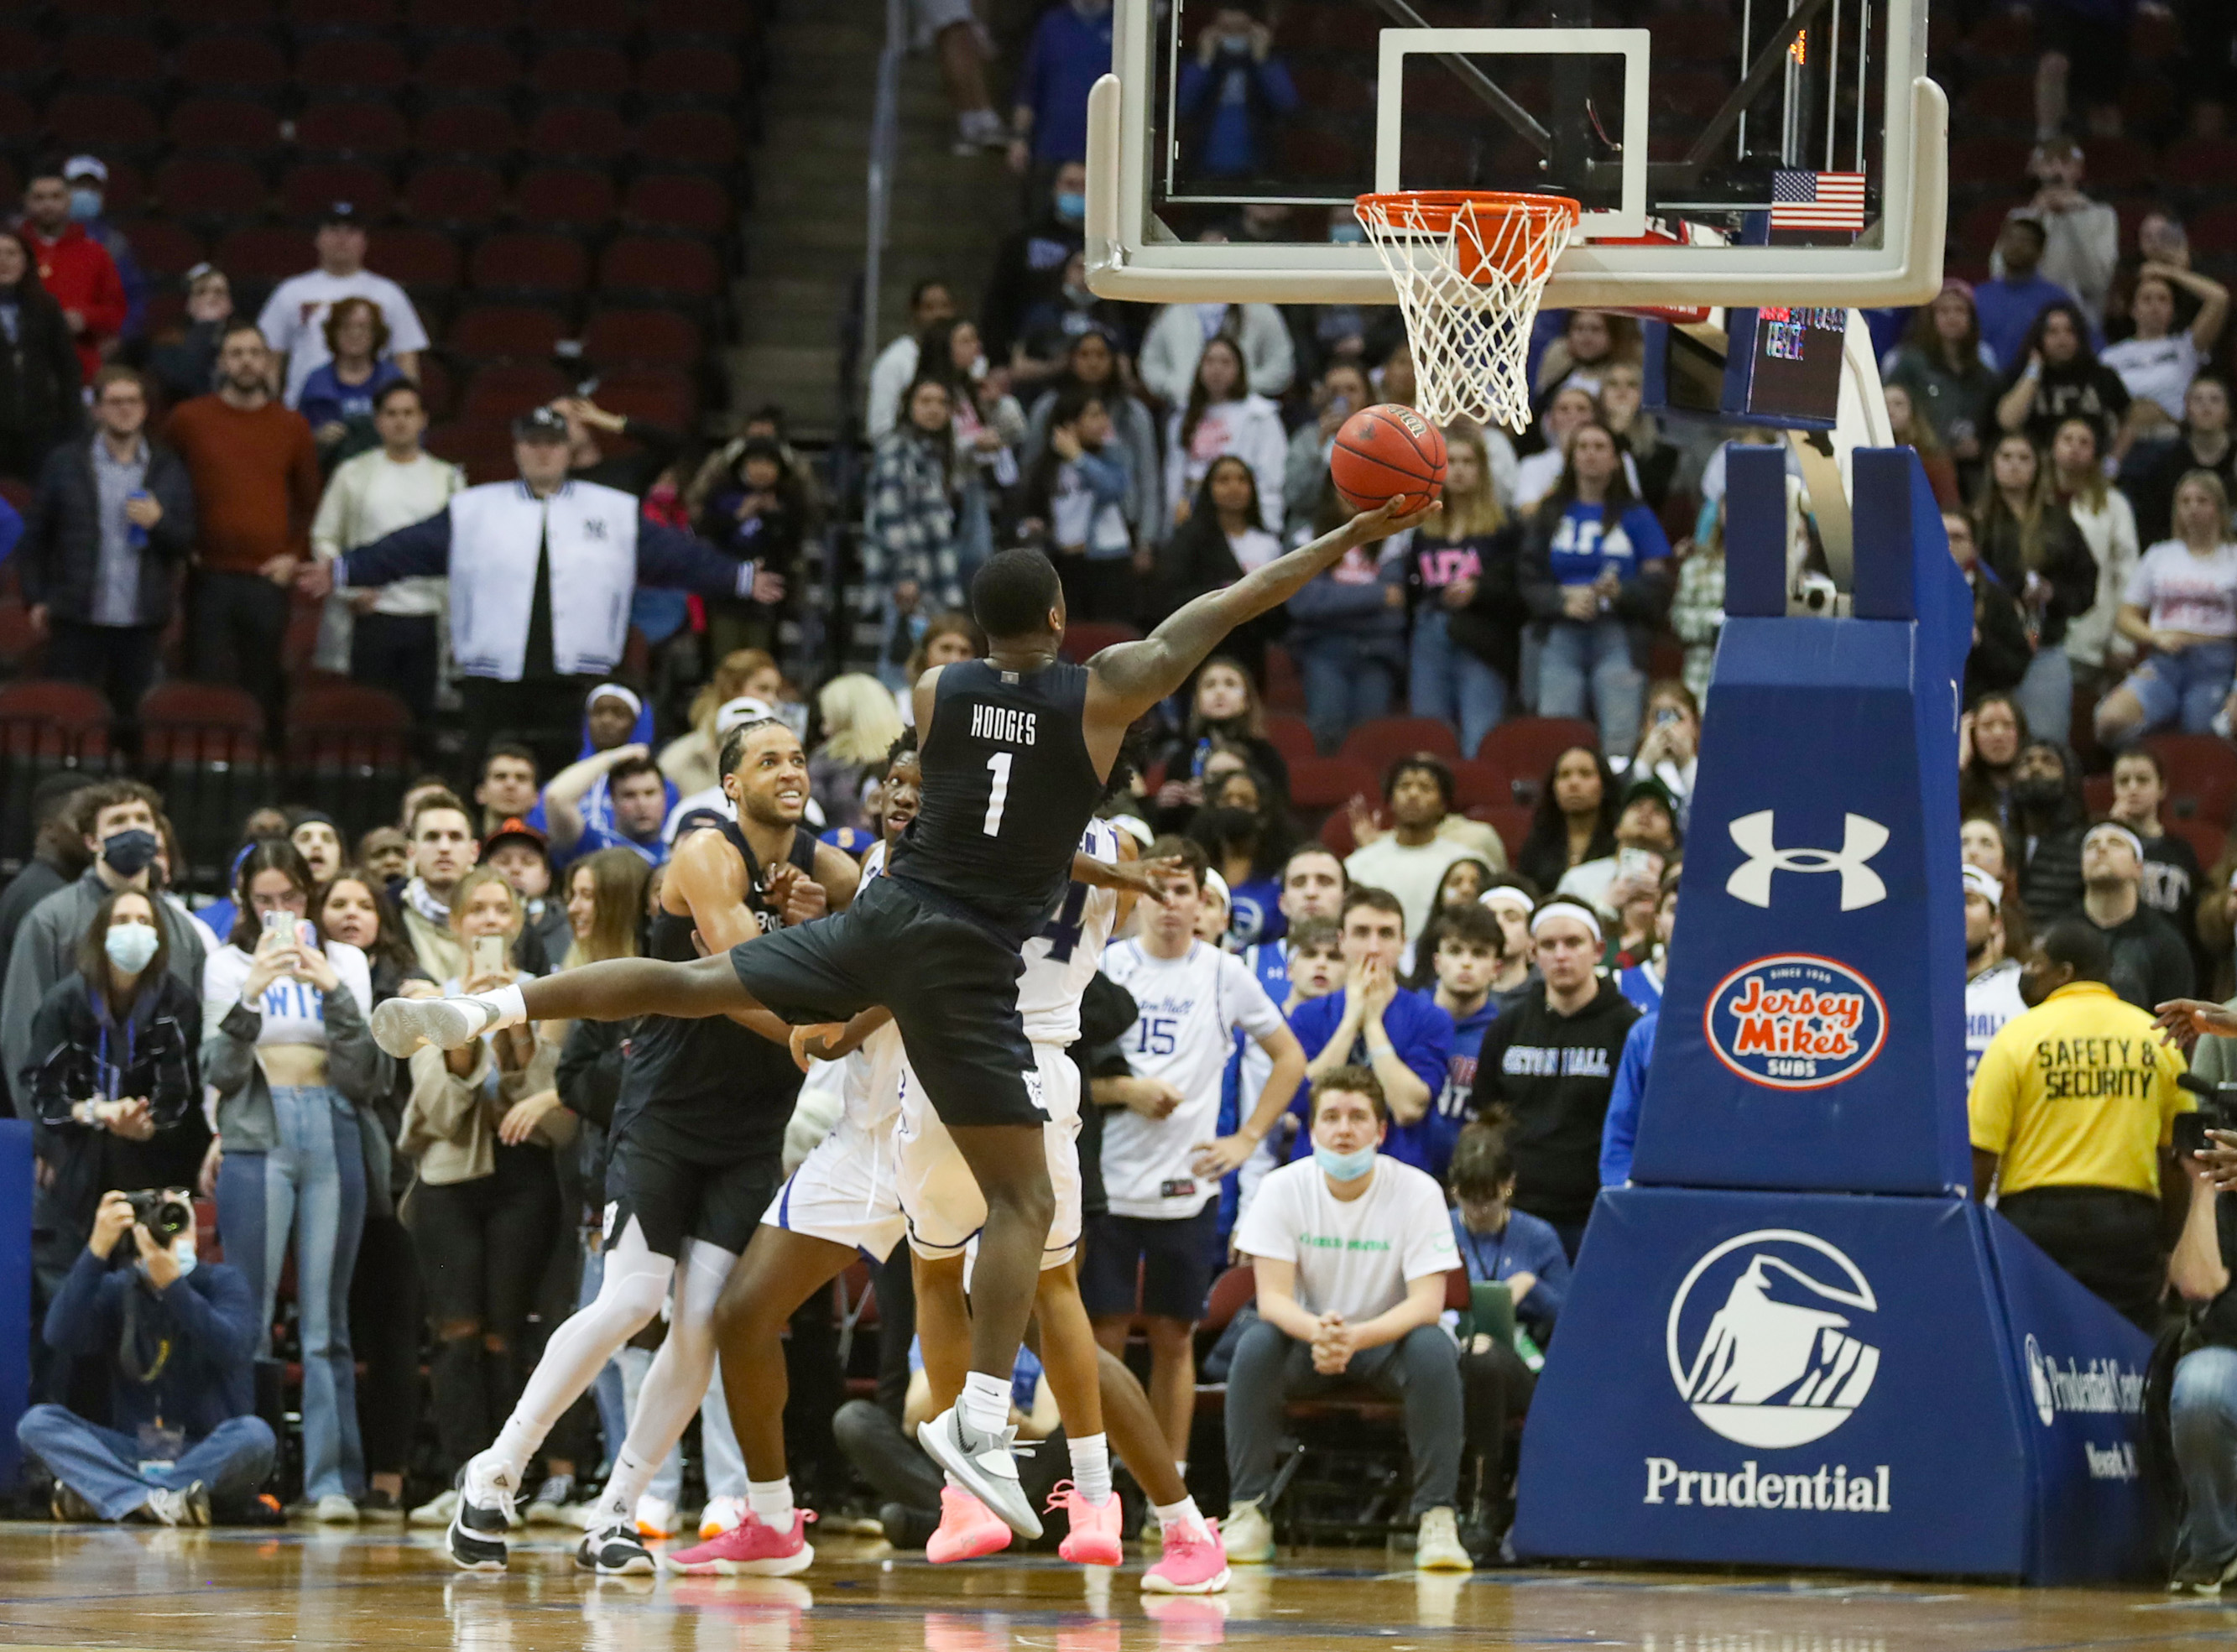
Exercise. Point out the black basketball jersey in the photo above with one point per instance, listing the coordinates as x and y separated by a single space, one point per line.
1008 788
710 1081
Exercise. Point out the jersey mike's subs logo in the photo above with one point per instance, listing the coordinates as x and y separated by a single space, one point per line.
1795 1022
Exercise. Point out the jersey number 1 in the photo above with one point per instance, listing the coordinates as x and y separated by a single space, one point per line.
998 766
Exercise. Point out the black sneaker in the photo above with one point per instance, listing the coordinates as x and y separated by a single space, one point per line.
907 1528
478 1527
382 1504
612 1549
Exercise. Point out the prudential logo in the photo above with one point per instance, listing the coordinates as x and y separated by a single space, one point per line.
1765 1338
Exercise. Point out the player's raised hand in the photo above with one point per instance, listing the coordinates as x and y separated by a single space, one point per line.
1386 519
1142 878
2181 1022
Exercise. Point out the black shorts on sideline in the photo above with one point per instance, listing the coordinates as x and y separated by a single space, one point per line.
950 979
1172 1256
674 1196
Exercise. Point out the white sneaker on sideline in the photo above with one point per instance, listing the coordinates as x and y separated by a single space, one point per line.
335 1510
655 1519
720 1515
1248 1534
1438 1545
436 1511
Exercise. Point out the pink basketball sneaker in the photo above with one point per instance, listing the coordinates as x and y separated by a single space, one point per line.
1094 1539
969 1529
751 1549
1195 1563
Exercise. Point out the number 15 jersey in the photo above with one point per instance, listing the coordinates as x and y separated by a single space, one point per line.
1008 787
1191 1008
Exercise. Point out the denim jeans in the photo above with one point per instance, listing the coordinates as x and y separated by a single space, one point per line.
1348 679
1579 661
2202 1417
312 1186
1445 681
2185 689
102 1464
2046 695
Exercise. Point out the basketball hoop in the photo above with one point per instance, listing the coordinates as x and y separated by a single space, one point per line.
1470 268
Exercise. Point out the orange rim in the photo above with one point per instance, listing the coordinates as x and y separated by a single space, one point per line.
1497 249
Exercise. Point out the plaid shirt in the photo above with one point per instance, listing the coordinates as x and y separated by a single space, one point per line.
909 525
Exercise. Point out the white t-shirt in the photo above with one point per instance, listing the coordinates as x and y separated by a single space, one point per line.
294 320
1412 874
2157 369
2182 591
1992 998
1354 1257
1190 1009
294 1011
371 495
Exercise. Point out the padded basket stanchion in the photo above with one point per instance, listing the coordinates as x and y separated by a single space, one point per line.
1470 268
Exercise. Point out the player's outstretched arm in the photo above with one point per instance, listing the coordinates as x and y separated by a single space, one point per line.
1128 678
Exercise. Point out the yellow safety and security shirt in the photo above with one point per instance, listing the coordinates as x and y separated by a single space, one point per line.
2079 1092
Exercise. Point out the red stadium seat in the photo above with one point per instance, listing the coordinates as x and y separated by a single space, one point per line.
436 393
651 264
2120 163
1526 746
1285 690
2207 839
453 192
1330 782
202 189
308 190
529 261
210 58
225 123
679 200
2201 776
333 724
469 65
1510 820
662 396
505 392
209 14
353 62
1380 741
163 249
1292 736
2097 795
200 722
425 260
351 127
471 126
263 252
2194 157
483 446
18 121
1983 158
341 14
695 17
505 333
1481 785
582 18
567 195
107 121
1084 639
688 138
581 71
109 57
656 336
49 719
580 131
2008 98
23 56
494 15
705 73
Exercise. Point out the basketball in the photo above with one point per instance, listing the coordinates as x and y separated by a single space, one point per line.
1388 452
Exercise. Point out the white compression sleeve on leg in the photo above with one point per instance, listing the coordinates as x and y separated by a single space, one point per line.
680 1373
636 1281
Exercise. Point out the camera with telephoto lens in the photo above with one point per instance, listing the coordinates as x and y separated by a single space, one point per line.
165 1213
2217 1110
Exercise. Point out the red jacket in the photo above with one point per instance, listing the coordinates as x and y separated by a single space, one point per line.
79 274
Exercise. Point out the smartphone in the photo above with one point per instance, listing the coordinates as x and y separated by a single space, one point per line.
1634 863
488 954
1665 714
282 923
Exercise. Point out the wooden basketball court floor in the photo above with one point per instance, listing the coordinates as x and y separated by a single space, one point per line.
228 1591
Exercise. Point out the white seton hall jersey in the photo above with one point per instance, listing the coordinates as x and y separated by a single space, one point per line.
1064 956
1992 998
1191 1007
870 1093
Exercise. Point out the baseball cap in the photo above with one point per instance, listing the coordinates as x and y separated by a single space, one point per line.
540 424
85 165
744 709
514 826
341 211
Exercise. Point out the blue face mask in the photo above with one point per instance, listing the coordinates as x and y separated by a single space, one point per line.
1345 1167
130 946
1070 207
85 205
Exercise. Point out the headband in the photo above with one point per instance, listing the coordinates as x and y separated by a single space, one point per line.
627 696
1980 881
2127 836
1213 881
1507 895
1565 907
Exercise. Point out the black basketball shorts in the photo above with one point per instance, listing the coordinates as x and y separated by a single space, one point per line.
676 1194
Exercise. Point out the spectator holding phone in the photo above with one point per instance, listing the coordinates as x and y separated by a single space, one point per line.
288 1049
182 1333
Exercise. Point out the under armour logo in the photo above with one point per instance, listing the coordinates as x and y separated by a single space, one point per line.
1758 836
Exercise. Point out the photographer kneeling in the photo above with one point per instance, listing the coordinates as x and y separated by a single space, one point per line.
184 1338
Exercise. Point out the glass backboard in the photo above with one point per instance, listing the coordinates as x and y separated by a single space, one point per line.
1747 152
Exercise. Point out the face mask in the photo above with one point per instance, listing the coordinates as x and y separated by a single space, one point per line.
130 946
1071 206
182 1254
85 205
1344 1167
2038 790
130 853
1079 296
1223 824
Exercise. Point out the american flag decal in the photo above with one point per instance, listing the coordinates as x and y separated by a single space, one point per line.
1817 200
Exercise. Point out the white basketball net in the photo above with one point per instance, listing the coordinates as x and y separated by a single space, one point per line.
1471 336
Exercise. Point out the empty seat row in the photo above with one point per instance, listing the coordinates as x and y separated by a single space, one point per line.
213 190
711 18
